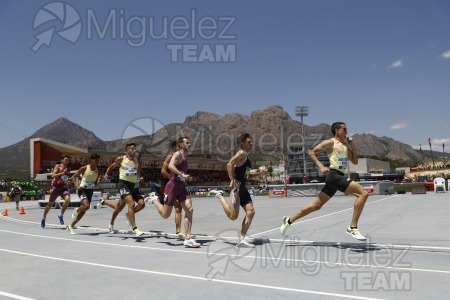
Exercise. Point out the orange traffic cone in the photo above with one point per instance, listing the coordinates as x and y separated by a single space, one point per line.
5 213
22 211
268 195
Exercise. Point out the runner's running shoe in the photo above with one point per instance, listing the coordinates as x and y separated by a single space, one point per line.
354 232
285 226
191 243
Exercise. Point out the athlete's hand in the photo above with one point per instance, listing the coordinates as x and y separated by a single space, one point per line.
187 177
325 170
349 140
233 184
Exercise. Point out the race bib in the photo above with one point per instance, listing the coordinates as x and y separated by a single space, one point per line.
89 184
130 171
342 163
247 172
65 178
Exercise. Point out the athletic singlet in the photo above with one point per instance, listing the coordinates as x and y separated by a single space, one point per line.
338 157
89 178
182 166
128 170
61 180
241 173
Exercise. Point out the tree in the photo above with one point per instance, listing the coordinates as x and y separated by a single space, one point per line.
270 170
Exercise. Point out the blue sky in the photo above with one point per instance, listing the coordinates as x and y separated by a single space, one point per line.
383 67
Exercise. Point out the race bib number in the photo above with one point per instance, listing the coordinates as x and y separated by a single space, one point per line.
123 192
89 184
130 171
247 172
342 163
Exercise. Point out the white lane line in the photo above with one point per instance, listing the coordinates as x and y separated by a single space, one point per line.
275 259
103 243
13 296
323 216
103 230
189 277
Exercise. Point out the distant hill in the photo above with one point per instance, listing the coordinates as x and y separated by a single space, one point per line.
15 159
212 135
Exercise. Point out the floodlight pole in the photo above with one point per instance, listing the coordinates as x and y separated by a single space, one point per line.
302 111
284 172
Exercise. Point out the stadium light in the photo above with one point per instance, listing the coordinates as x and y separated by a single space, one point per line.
302 111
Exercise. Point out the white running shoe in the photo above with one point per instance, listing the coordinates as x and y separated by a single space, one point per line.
354 232
148 199
137 232
111 228
191 243
151 198
216 193
71 230
180 236
244 244
100 203
285 226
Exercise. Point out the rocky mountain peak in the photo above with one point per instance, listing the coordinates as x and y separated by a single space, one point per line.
207 129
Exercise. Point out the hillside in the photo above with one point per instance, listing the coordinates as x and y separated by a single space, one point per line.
212 135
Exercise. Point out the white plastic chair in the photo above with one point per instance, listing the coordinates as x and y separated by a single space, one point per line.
439 182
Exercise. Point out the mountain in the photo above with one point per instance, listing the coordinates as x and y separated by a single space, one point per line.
68 132
15 159
211 135
371 145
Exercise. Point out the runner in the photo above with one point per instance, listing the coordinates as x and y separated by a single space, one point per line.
238 169
340 150
60 182
129 167
176 190
90 179
15 193
165 172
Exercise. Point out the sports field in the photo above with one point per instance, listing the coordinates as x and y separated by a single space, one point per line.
407 255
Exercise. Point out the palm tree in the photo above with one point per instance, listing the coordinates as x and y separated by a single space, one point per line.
443 151
270 170
432 159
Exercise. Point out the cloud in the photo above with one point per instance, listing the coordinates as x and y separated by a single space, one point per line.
396 64
436 145
399 126
446 54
